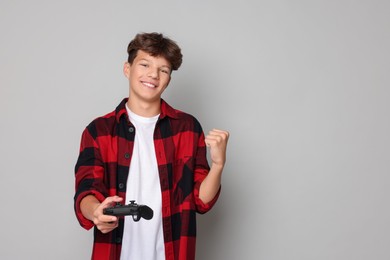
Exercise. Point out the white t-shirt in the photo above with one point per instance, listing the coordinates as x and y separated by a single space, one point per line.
143 239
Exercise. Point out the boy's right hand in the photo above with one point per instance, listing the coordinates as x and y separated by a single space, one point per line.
105 223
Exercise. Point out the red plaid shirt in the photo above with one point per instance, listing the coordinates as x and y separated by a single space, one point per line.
103 166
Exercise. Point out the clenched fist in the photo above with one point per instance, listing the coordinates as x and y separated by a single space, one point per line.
217 140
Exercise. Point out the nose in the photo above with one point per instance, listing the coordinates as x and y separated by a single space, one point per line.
153 73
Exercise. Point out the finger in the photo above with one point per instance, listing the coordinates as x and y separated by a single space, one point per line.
107 218
104 220
110 200
109 224
214 139
210 140
219 131
105 228
100 218
215 136
223 134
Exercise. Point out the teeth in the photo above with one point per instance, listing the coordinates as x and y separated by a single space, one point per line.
148 85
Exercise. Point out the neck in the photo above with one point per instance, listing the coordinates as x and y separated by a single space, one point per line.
145 109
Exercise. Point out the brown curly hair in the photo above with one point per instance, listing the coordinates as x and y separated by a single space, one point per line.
156 44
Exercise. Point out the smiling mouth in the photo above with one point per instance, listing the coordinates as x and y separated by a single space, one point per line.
149 85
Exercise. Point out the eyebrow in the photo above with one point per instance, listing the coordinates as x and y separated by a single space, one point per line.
166 66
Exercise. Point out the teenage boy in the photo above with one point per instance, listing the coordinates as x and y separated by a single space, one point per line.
149 152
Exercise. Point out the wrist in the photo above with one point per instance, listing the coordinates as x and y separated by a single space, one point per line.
88 206
217 166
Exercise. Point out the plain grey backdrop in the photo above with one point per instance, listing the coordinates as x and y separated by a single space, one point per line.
302 86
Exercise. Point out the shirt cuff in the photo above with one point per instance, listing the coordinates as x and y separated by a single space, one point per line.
202 207
84 222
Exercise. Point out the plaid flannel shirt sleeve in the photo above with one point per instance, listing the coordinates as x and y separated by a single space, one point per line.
201 170
89 174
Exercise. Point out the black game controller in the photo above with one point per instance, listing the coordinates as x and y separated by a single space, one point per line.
133 209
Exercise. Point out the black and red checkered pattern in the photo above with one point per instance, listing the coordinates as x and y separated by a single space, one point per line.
103 165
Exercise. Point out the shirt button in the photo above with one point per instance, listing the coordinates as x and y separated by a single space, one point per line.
118 240
127 155
121 185
131 129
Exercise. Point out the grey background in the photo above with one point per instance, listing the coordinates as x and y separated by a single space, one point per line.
303 87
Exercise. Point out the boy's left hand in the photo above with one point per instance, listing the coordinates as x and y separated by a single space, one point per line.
217 141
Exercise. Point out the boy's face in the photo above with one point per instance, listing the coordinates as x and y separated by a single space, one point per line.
148 76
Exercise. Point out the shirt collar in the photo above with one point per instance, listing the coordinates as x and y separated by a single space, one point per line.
166 110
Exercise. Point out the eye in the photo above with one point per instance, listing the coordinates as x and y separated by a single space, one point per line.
144 65
165 70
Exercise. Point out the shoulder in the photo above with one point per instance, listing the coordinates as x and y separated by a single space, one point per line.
176 115
105 125
186 122
102 125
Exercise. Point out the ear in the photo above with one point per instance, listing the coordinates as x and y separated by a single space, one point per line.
126 70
